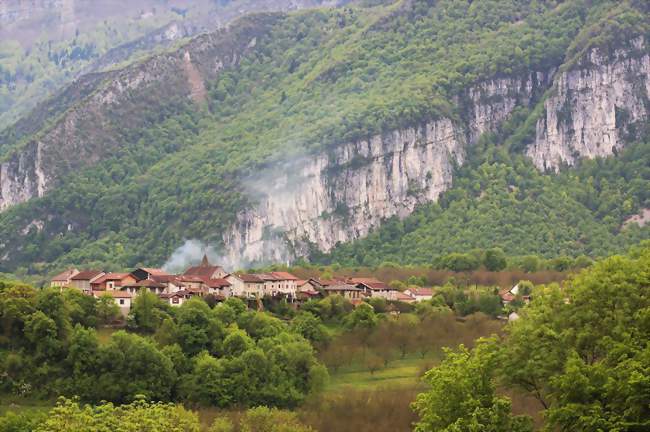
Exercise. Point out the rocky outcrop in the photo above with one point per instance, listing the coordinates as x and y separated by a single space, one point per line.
343 194
340 196
594 109
92 121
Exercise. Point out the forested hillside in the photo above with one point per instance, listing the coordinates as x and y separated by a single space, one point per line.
307 82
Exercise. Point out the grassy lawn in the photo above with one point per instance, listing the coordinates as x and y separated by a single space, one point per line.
399 373
19 405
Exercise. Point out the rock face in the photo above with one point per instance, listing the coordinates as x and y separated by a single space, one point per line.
345 193
594 109
340 196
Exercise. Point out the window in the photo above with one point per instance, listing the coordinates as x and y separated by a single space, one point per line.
121 301
175 300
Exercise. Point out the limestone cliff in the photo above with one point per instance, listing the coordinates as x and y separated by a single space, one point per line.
343 194
594 109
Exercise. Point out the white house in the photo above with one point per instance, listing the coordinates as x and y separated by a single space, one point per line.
420 294
245 285
176 298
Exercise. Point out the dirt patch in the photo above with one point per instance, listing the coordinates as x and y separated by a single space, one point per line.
640 219
198 93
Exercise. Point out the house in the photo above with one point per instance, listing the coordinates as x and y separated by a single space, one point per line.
194 282
121 298
403 297
176 298
305 290
348 291
148 284
219 287
206 271
143 273
83 279
246 285
506 296
420 294
172 282
111 281
372 287
279 284
63 279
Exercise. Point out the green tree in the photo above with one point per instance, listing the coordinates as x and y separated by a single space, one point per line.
495 259
107 309
462 396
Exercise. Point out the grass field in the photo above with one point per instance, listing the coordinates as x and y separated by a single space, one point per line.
405 372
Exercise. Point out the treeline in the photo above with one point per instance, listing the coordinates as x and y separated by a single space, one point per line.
221 356
581 350
70 416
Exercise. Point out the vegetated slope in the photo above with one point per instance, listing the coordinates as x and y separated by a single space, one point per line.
306 82
47 43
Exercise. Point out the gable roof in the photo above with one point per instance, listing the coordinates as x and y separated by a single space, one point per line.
378 285
87 275
154 271
341 287
65 276
364 280
421 291
111 277
248 277
146 283
282 275
217 283
269 277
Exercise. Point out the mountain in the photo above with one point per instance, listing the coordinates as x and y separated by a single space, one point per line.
289 135
49 43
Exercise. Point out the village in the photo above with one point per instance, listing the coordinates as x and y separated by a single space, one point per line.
208 279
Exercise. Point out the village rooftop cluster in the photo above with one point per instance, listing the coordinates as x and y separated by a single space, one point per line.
208 279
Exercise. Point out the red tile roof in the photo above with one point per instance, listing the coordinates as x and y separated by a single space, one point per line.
363 280
284 275
87 275
64 276
217 283
341 287
421 291
110 277
400 296
202 271
378 285
148 283
267 276
154 271
249 278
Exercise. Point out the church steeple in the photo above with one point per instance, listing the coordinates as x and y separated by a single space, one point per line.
204 261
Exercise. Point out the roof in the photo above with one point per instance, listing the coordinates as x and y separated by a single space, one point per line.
191 278
148 283
400 296
378 285
341 287
507 297
248 277
166 278
361 280
154 271
203 270
181 293
87 275
65 276
217 283
421 291
114 294
267 276
284 275
111 276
